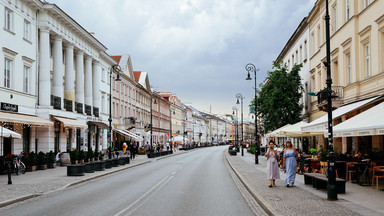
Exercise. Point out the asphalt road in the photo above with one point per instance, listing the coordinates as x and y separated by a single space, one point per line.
195 183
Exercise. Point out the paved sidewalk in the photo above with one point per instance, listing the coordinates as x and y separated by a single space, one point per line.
32 184
303 199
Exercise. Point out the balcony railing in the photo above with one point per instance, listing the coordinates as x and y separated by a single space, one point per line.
337 96
68 105
88 110
79 107
56 102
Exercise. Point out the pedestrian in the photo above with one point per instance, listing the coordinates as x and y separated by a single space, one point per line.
290 164
272 167
147 147
167 144
58 157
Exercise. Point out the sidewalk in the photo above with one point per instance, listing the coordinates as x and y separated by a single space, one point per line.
32 184
303 199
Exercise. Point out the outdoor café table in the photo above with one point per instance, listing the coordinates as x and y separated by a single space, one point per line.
362 170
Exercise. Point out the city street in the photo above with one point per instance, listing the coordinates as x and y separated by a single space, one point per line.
196 183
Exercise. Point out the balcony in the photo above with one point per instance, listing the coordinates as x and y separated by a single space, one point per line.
337 98
68 105
96 111
79 107
56 102
129 122
88 110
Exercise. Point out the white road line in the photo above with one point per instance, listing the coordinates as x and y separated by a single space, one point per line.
173 173
157 187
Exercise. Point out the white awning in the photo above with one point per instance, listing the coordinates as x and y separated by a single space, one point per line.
136 137
24 119
320 124
4 132
296 131
367 123
127 133
71 123
276 133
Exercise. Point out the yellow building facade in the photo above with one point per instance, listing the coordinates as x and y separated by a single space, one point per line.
357 60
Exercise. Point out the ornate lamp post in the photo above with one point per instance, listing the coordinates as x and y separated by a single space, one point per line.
236 125
332 192
251 68
240 96
117 69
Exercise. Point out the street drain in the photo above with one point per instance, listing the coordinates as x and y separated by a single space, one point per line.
274 199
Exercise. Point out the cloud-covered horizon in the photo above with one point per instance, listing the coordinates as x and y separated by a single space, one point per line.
196 49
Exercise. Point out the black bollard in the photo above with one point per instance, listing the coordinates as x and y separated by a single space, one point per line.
242 151
9 173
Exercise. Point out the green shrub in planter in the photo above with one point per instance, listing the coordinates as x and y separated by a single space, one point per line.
96 154
74 155
41 158
51 157
31 160
81 156
89 155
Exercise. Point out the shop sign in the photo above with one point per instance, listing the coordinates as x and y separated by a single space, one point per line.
9 107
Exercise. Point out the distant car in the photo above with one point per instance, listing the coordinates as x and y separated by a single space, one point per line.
215 143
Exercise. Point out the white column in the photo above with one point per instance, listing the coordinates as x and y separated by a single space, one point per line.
88 81
80 77
69 90
44 73
96 85
57 53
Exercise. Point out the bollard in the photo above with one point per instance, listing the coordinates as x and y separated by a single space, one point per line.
242 151
9 173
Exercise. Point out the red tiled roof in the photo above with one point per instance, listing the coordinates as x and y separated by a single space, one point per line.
117 58
137 75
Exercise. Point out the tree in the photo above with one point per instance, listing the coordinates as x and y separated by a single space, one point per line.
279 99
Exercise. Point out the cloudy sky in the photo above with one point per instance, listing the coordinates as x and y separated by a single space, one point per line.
196 49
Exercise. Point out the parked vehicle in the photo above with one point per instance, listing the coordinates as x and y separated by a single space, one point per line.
18 165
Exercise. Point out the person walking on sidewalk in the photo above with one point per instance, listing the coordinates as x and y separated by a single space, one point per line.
289 162
272 167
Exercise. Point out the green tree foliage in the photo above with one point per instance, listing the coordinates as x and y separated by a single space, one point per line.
279 99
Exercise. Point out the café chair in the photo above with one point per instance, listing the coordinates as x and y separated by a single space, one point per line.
378 173
349 170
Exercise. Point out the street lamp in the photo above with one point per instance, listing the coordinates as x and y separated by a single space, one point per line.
240 96
332 192
251 68
117 69
236 126
151 120
170 126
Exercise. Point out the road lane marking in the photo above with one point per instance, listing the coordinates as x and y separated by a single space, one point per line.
147 195
173 173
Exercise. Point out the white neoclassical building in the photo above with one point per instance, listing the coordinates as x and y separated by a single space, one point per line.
55 89
73 83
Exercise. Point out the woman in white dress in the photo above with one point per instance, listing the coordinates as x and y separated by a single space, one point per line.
272 167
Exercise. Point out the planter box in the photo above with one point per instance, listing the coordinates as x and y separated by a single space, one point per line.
157 154
108 164
75 170
43 167
31 168
100 165
122 161
89 167
232 152
65 159
115 162
150 155
127 160
51 166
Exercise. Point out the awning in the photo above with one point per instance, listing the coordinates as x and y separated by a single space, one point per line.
276 133
320 124
24 119
4 132
138 138
71 123
296 131
124 132
99 124
367 123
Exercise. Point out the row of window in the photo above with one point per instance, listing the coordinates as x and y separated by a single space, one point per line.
298 57
8 71
9 24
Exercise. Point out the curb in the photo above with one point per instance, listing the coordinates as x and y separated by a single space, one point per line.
9 202
262 202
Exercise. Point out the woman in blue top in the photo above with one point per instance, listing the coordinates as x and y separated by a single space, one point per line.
289 162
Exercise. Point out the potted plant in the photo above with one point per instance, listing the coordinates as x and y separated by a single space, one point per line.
42 160
51 160
102 155
31 162
74 156
142 151
90 155
96 155
81 156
